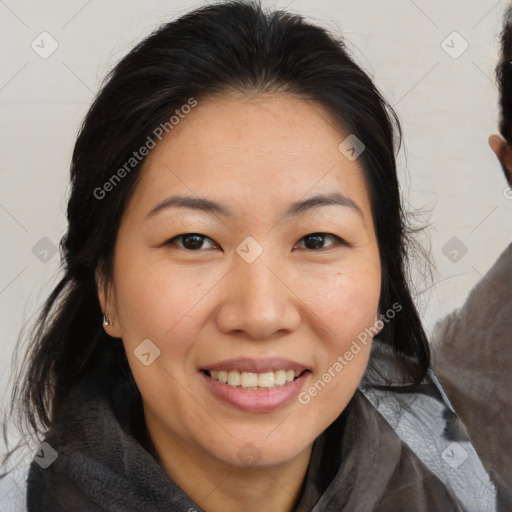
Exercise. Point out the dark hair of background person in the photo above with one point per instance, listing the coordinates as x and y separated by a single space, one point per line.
504 79
216 49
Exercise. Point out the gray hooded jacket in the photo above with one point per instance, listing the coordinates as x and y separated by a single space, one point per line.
389 451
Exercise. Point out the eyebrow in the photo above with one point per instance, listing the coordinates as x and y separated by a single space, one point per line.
215 208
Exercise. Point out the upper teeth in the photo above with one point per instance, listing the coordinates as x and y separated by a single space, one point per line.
255 380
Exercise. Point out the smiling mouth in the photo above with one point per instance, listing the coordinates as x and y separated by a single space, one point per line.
249 381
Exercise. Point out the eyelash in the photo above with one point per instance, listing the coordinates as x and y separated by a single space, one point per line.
339 241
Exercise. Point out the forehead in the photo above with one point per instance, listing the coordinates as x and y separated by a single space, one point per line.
269 148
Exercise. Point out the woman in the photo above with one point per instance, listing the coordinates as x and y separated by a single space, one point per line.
235 241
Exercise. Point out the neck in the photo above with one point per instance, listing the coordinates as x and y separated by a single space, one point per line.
217 487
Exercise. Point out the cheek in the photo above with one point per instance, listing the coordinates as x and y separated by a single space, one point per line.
346 300
159 301
348 307
162 303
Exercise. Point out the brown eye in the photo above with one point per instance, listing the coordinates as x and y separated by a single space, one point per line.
191 241
315 241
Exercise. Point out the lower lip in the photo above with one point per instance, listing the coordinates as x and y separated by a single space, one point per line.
256 401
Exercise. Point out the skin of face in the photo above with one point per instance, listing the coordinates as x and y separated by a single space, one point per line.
256 154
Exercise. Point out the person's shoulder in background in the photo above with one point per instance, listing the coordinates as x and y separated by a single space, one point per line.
487 310
472 357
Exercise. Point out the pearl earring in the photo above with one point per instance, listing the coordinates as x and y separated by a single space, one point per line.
105 320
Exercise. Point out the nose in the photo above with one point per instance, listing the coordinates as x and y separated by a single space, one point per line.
258 301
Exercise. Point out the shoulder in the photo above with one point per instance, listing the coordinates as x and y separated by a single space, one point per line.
486 312
433 436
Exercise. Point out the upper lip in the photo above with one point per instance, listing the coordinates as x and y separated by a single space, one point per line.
256 365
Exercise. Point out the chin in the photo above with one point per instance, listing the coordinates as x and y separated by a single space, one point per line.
257 454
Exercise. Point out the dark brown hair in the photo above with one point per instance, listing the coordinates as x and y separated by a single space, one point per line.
504 79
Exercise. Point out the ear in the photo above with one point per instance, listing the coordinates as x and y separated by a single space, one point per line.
108 304
502 150
496 143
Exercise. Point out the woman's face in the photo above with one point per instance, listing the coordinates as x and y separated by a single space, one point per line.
272 284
